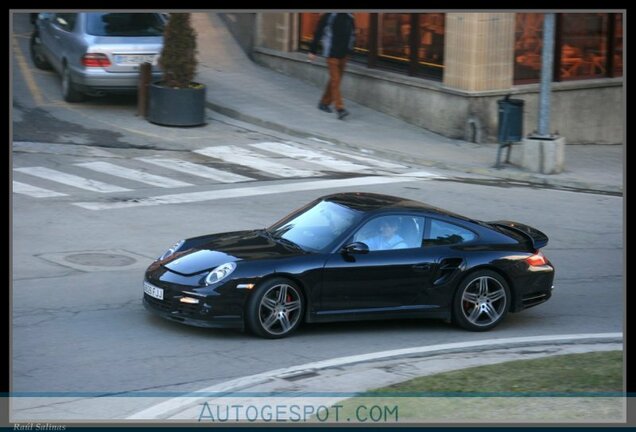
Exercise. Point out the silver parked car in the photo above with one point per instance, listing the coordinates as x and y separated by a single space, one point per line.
97 52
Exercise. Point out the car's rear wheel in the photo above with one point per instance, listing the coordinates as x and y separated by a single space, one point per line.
69 90
35 49
482 301
275 309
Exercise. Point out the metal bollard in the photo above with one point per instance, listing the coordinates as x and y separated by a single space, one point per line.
145 72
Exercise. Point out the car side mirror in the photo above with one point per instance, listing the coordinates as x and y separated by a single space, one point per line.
356 248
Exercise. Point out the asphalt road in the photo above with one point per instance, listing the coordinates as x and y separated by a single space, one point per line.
78 324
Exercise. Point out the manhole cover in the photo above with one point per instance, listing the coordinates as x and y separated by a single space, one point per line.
100 259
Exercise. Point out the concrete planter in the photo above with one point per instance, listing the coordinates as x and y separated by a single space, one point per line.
543 155
176 107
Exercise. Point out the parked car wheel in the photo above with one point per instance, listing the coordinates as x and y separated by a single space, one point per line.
482 301
37 57
69 91
276 309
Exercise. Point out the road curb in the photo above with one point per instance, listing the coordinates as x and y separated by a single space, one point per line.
173 406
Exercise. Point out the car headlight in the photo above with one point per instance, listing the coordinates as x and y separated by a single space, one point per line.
171 250
220 273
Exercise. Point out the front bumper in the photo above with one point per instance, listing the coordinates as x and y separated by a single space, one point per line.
187 315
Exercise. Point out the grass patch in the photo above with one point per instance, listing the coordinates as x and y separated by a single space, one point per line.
568 373
563 388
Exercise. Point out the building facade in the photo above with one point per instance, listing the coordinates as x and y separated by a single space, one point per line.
446 71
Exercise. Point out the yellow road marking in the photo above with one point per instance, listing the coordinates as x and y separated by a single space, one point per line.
26 72
127 129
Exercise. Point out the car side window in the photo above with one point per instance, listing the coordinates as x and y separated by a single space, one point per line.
391 232
66 21
444 233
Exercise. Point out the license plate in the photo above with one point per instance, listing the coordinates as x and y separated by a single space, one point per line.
134 59
153 291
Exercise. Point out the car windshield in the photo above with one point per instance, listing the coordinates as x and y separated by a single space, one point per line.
124 24
317 227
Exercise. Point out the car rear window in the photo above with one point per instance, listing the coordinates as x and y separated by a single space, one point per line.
124 24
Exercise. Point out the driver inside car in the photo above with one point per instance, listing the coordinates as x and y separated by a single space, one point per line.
387 237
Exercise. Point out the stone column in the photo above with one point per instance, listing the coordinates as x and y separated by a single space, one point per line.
479 50
273 31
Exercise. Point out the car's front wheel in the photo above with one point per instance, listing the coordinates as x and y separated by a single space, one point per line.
275 309
482 301
69 90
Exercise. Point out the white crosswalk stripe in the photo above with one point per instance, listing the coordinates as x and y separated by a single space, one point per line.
70 179
274 160
315 157
241 156
370 161
131 174
196 170
34 191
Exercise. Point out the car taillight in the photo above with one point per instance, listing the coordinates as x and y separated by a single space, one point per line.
95 60
538 259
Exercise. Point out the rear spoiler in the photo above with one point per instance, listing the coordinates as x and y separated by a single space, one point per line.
536 237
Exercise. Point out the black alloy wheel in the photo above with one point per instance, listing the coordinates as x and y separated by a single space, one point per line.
481 301
275 309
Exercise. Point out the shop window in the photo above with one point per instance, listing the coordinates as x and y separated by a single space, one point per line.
393 37
431 49
528 45
308 23
583 46
408 43
618 45
362 32
587 46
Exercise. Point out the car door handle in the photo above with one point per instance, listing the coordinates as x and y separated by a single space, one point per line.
422 267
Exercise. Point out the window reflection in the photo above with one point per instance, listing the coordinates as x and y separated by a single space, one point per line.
393 36
528 45
581 46
362 32
618 44
583 49
431 49
308 22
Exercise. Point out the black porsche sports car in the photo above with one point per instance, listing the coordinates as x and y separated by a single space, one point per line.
353 256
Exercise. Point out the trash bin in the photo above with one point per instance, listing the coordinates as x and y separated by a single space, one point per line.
510 120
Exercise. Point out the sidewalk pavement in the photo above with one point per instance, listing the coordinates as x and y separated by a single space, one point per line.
239 88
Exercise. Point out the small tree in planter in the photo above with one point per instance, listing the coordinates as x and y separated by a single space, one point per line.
177 100
178 57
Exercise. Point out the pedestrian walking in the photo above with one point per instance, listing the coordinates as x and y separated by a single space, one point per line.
336 32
